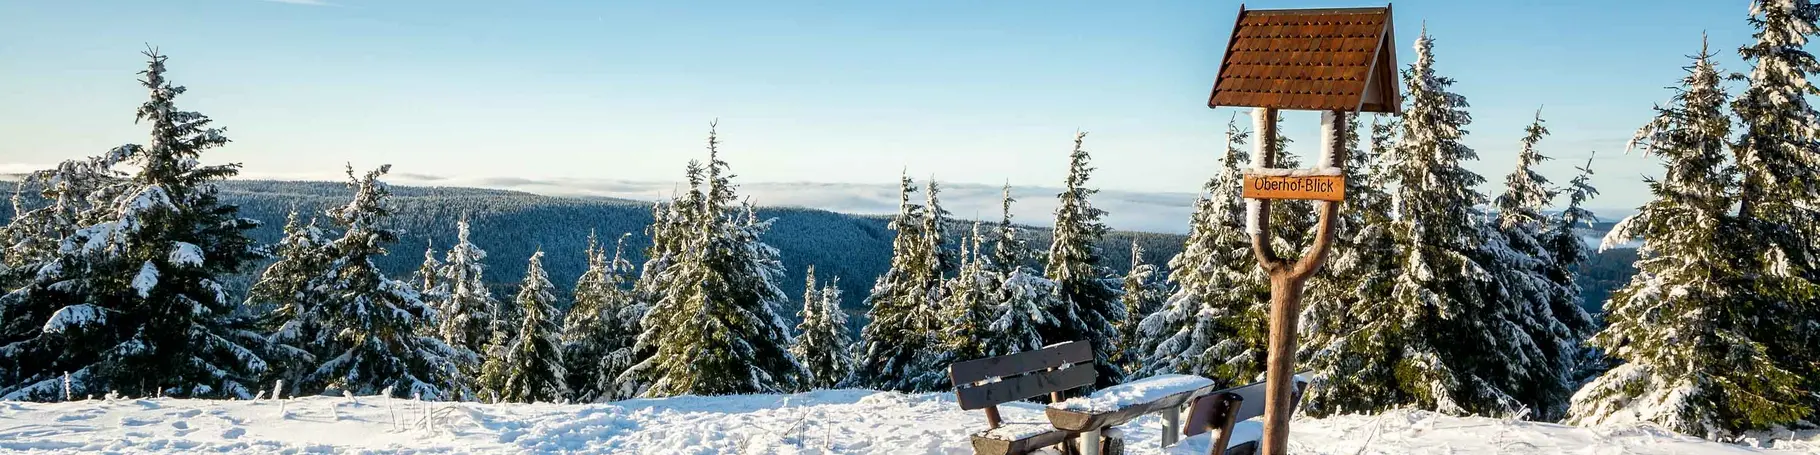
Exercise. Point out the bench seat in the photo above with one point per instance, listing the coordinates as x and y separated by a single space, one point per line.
1118 404
1016 437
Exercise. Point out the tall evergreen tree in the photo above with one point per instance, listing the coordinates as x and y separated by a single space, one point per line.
821 341
1685 327
131 299
467 312
600 328
1190 334
1008 250
1142 296
968 309
1778 156
373 318
532 368
1088 297
1520 263
1023 295
1345 336
717 331
901 317
1453 347
290 292
1568 252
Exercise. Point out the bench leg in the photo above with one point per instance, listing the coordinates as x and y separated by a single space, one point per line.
1090 442
1172 425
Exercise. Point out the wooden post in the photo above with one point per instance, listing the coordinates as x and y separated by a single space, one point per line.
1287 278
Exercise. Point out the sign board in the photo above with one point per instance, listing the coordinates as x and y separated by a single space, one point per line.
1298 184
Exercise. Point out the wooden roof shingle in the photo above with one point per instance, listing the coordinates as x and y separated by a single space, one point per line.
1310 59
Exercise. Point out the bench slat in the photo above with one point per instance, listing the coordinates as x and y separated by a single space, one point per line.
971 371
1026 386
1083 421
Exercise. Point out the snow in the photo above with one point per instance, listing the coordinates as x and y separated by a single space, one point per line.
1133 393
824 422
147 278
74 316
185 253
1318 171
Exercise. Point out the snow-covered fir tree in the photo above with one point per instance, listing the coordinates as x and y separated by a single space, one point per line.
531 370
717 330
1087 294
289 293
1024 296
430 288
1685 329
1142 296
968 307
1516 256
1567 252
598 331
1453 348
373 319
902 320
1341 342
821 338
1778 159
131 298
466 317
1213 283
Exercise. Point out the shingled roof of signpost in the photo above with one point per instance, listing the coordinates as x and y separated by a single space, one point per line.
1310 59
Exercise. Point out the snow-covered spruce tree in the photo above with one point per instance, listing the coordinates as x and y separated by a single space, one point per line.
1212 277
1142 296
1086 292
1685 327
1344 339
289 295
935 223
668 232
532 368
1452 350
466 318
1568 252
1023 296
968 307
372 318
1515 255
131 299
597 335
430 288
821 342
48 205
717 331
1778 156
901 318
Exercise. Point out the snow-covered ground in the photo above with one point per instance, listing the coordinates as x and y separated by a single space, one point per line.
835 421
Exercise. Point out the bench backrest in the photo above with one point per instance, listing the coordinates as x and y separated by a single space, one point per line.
1022 375
1207 410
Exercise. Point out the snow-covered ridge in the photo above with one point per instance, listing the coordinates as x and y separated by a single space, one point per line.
824 422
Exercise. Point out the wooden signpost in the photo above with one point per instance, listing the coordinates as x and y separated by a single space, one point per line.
1339 62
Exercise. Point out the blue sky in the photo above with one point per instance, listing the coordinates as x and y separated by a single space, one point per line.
842 92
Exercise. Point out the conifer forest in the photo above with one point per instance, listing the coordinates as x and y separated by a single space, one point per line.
150 270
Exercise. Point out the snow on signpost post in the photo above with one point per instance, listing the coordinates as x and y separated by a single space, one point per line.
1338 61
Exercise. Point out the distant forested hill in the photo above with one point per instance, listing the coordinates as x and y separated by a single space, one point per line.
512 224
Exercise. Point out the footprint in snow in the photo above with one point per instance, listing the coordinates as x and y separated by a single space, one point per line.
181 425
233 433
188 413
133 422
80 416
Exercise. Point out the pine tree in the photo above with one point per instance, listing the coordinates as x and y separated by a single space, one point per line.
716 330
1008 251
532 369
1192 333
967 308
430 288
1568 252
1346 334
290 292
1023 296
902 317
1685 328
597 332
372 319
1778 156
131 299
1142 296
466 320
1453 349
822 341
1088 297
1516 254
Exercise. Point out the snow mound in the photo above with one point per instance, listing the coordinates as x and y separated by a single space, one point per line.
823 422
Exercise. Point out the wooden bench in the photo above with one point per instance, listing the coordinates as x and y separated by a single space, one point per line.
987 383
1116 405
1223 409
